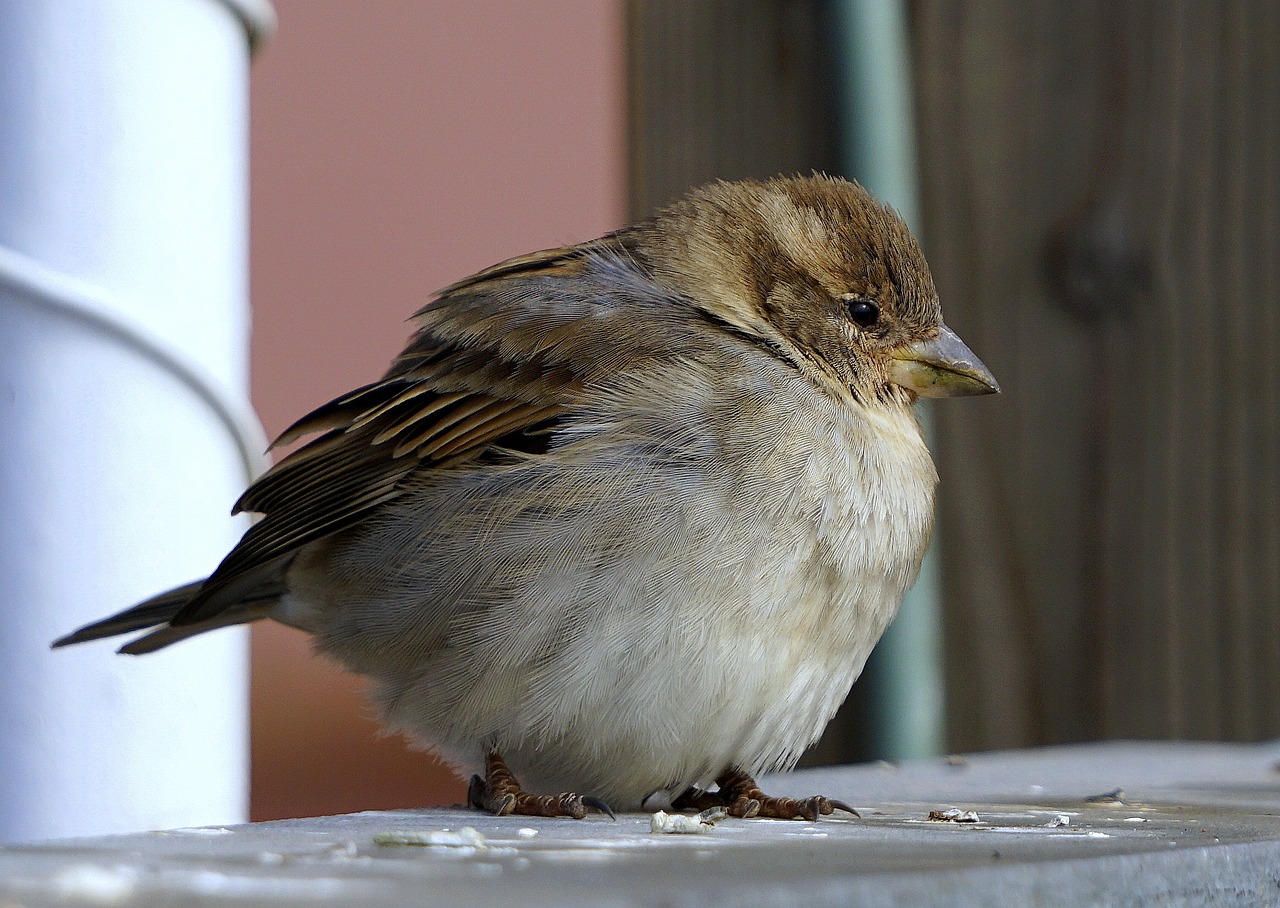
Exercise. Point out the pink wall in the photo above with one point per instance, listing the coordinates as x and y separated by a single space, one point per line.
397 146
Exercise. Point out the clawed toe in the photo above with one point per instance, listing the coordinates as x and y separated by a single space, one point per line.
565 804
810 809
802 808
501 795
739 794
744 807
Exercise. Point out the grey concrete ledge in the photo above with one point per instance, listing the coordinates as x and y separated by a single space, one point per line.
1193 824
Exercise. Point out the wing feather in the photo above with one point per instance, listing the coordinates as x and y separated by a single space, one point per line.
465 433
487 363
412 416
336 412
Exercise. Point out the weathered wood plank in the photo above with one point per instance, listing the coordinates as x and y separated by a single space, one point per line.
1101 207
726 89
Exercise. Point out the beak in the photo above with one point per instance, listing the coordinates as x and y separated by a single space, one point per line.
942 367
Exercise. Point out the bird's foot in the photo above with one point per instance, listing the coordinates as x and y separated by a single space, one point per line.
739 794
500 794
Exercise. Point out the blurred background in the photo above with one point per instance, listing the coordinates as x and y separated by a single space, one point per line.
397 146
1097 188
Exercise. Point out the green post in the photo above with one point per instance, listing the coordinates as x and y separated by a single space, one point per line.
906 672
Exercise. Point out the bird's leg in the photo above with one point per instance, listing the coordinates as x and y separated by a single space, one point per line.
500 793
739 794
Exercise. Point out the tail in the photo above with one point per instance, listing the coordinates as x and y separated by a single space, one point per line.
157 613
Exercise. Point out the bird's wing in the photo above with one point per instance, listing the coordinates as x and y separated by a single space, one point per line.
491 364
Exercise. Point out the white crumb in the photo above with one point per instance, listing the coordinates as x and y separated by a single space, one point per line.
681 824
954 815
466 837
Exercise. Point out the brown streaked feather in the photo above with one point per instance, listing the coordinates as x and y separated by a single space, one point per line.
518 420
470 376
465 433
561 261
459 412
307 472
402 400
337 412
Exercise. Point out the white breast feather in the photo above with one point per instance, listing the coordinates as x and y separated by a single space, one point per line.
634 626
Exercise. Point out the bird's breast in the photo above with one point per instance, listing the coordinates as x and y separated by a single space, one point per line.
692 577
844 520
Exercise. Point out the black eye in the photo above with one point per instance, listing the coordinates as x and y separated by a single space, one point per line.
863 311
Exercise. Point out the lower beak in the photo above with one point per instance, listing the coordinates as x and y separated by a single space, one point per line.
942 367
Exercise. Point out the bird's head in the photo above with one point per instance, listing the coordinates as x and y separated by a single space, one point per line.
825 276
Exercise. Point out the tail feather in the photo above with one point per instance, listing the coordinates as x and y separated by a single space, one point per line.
157 612
162 637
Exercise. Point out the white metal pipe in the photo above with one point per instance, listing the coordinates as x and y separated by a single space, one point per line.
124 434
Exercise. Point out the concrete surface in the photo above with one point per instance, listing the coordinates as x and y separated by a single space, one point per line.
1192 824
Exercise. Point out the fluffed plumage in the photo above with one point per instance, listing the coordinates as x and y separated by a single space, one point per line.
630 513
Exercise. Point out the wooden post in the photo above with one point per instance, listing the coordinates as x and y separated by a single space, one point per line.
1102 205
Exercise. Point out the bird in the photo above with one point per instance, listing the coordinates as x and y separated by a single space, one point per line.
625 518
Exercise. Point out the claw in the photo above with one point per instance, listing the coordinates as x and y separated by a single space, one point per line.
744 807
480 796
841 805
600 806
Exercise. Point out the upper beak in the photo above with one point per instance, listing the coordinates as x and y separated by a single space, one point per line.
942 367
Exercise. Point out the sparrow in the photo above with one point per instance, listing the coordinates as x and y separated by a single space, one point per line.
624 519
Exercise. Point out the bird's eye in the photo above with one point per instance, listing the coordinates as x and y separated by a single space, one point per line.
863 311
